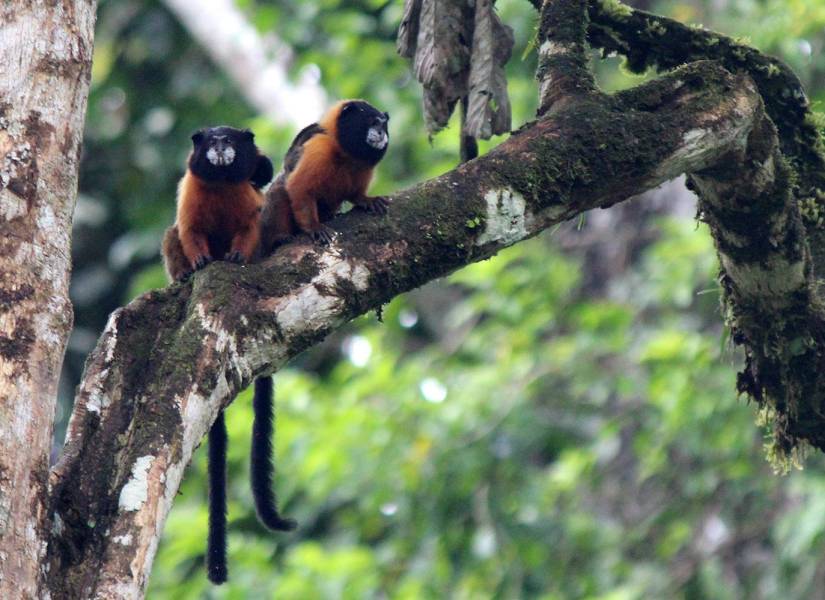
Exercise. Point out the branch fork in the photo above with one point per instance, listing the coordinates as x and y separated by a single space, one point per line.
563 71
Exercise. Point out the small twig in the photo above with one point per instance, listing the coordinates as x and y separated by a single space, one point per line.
563 69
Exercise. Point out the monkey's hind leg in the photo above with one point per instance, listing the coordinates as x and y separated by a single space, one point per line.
277 224
244 244
261 464
174 259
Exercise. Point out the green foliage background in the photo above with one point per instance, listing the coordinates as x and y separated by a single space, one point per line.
536 426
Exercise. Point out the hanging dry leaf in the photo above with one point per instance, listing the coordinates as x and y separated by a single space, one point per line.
453 61
442 35
488 109
408 29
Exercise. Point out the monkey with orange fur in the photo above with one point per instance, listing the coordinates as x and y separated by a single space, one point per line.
328 162
219 202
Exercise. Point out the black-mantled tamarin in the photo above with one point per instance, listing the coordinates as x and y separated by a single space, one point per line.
328 162
219 202
218 217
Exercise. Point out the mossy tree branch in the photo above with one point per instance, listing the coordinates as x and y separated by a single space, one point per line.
563 70
779 203
651 41
783 342
170 360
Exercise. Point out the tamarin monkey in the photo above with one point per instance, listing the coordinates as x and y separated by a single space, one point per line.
328 162
219 203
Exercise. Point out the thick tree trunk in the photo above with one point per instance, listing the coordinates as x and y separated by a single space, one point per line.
45 60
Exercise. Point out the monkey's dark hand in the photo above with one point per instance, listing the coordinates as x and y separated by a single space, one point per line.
378 205
323 235
235 257
185 275
202 261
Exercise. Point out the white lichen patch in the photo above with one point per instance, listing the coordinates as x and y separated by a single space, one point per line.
718 133
12 206
97 398
551 48
123 540
196 412
506 219
313 306
136 490
15 160
57 525
224 342
693 136
773 282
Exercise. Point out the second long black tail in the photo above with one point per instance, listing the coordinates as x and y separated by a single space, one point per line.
216 539
261 462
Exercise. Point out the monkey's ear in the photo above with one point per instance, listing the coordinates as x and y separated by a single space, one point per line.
197 137
387 116
263 172
247 135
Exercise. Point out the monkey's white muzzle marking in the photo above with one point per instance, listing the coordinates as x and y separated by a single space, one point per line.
221 158
377 138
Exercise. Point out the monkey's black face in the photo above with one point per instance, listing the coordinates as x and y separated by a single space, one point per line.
362 131
223 154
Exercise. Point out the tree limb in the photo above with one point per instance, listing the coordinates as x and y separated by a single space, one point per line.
563 70
755 220
651 41
170 360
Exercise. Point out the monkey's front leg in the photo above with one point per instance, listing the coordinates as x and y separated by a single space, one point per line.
196 248
305 211
244 243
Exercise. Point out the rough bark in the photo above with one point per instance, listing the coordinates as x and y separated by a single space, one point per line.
170 360
774 211
44 82
563 72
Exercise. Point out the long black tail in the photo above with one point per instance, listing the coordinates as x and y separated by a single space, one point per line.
216 541
261 465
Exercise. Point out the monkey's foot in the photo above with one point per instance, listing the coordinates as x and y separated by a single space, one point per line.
184 275
202 261
235 257
378 205
323 235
